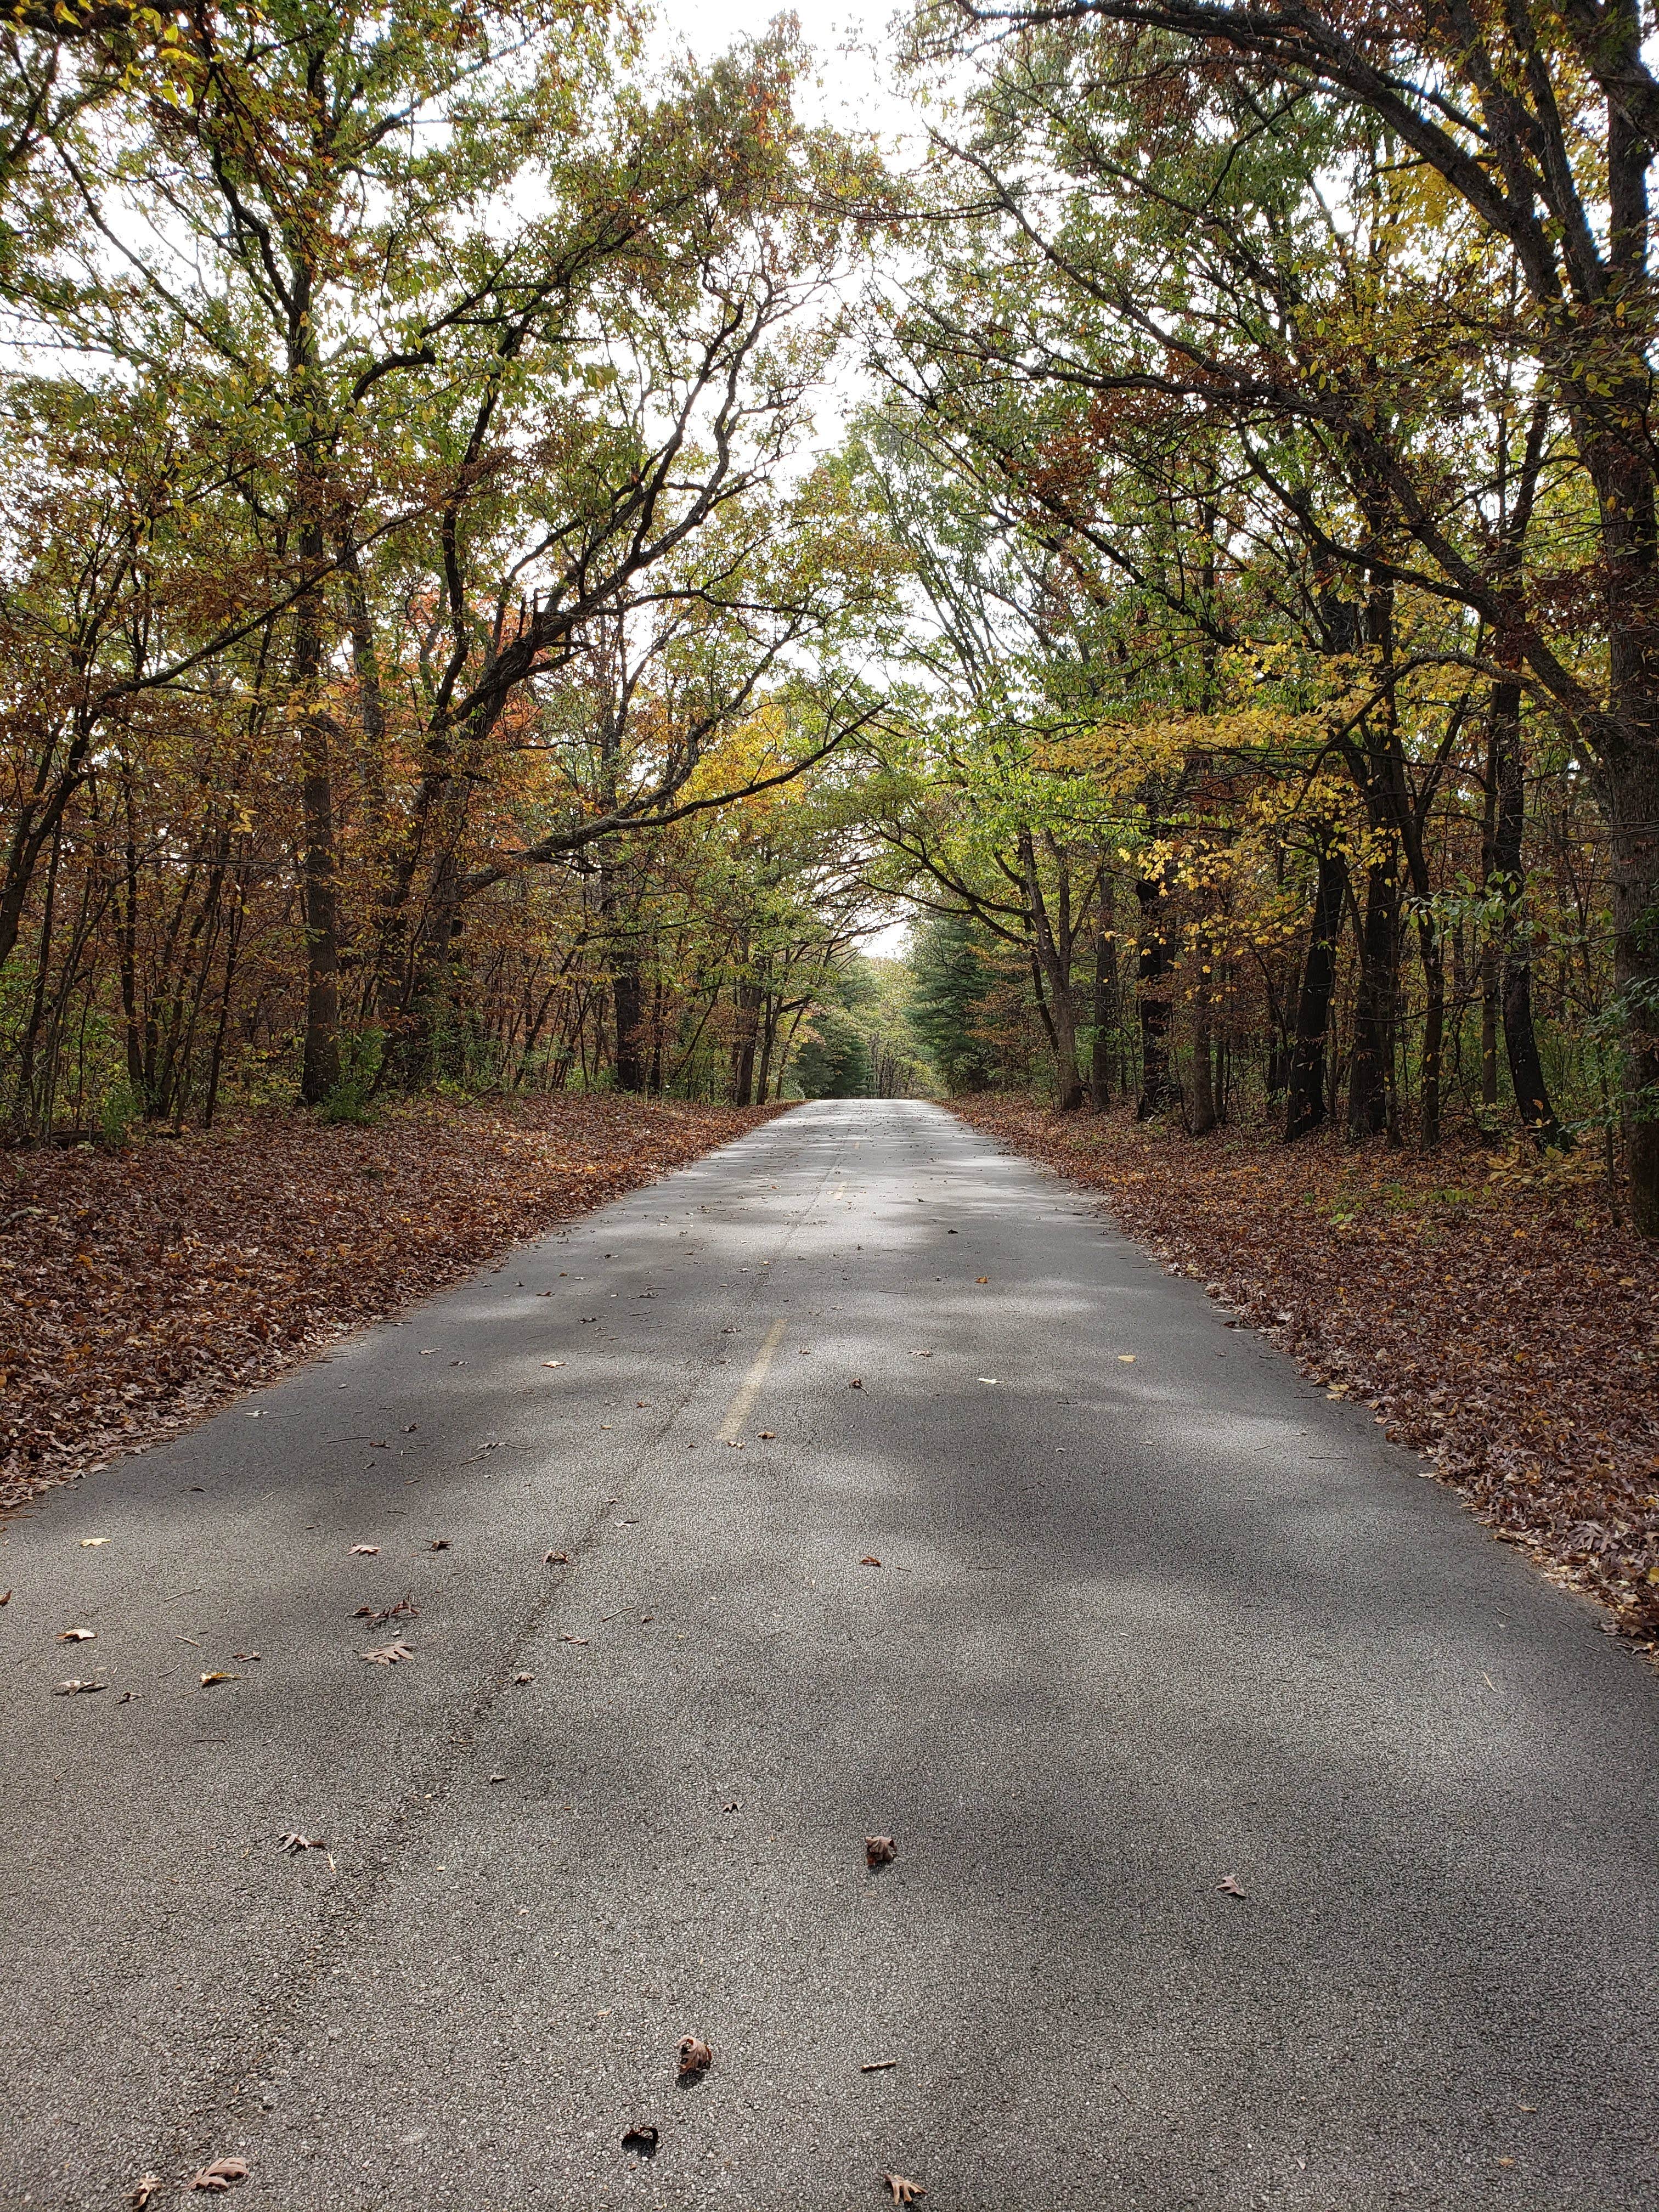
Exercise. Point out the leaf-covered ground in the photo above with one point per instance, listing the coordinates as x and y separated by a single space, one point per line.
1486 1306
143 1289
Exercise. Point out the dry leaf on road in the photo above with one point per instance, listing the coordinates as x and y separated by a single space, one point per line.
77 1635
869 1561
387 1655
879 1851
641 2136
218 2177
75 1684
437 1543
1229 1887
91 1543
219 1675
857 1382
555 1559
696 2057
296 1842
365 1551
766 1435
566 1638
5 1597
901 2189
143 2189
522 1679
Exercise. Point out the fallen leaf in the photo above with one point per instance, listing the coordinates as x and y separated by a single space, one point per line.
695 2058
296 1842
437 1543
766 1435
522 1679
245 1657
921 1355
566 1638
1229 1887
1128 1358
555 1559
869 1561
387 1655
219 1675
143 2189
75 1684
642 2137
901 2189
879 1851
857 1382
77 1635
365 1551
5 1597
218 2177
981 1279
91 1543
991 1379
127 1697
552 1362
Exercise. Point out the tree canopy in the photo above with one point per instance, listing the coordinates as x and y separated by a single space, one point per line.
450 636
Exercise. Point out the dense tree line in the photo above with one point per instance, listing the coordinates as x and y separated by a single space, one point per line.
439 646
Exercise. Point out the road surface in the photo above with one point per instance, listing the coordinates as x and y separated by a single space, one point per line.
1151 1612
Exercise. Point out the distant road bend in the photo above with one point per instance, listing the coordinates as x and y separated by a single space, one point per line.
1150 1613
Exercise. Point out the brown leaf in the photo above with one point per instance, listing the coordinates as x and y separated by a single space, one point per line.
5 1597
641 2136
437 1543
981 1279
857 1382
695 2058
219 1675
143 2189
218 2177
555 1559
879 1851
365 1551
901 2189
567 1638
246 1656
287 1243
522 1679
74 1685
766 1435
296 1842
77 1635
1229 1887
387 1655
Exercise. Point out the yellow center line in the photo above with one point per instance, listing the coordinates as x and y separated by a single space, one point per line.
737 1411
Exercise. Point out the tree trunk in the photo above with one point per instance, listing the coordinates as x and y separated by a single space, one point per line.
1159 1088
1512 954
1307 1105
1374 1003
1434 1030
1104 1011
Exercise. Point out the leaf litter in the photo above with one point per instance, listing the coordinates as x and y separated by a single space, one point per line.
154 1284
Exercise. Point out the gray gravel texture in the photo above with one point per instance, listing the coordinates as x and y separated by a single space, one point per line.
1152 1611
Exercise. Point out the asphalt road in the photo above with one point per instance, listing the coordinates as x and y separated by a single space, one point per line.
1151 1612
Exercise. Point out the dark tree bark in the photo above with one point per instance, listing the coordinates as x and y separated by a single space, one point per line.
1159 1088
1104 1011
1307 1106
1507 775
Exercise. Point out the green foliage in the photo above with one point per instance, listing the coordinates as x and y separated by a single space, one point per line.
948 991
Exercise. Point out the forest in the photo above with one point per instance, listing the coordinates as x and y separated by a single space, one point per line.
521 553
